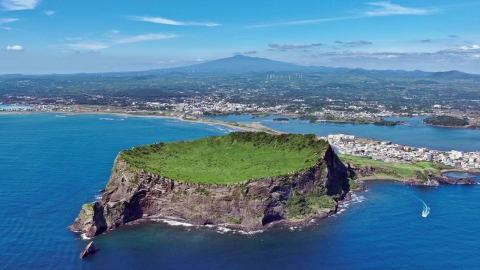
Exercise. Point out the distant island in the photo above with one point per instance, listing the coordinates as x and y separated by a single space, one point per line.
445 121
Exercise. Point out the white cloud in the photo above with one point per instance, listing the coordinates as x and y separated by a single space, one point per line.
384 9
359 43
8 20
19 4
88 46
476 57
161 20
288 46
17 48
302 22
49 12
464 49
95 47
389 9
469 48
144 38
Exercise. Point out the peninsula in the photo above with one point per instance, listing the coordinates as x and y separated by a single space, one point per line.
242 180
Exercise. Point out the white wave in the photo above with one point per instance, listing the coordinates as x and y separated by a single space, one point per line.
107 119
223 230
251 233
60 115
357 199
84 236
176 223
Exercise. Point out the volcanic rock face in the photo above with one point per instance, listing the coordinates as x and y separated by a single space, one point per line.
135 194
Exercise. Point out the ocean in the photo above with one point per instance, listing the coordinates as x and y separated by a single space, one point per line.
52 164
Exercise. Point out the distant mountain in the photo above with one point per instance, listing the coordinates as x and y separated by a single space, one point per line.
451 75
388 73
11 76
240 64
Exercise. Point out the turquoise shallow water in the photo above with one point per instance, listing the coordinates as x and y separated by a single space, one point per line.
50 165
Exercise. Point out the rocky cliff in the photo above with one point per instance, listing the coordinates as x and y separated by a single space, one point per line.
133 194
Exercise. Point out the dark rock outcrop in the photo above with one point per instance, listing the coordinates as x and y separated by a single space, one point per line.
443 179
250 205
89 250
429 183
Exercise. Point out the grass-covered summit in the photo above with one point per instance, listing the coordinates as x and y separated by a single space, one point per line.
235 157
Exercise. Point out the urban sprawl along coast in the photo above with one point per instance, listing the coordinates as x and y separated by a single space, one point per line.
389 152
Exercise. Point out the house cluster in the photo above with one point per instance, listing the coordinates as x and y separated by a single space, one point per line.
199 107
388 152
357 114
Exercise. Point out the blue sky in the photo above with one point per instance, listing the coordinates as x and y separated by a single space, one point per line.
59 36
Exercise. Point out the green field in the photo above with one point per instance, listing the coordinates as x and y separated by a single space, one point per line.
418 170
232 158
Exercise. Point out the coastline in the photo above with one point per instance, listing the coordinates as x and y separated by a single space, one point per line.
380 178
242 126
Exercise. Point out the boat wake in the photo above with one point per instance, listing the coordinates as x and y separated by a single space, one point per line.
426 209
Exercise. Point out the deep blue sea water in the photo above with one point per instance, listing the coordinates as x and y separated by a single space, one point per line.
50 165
413 133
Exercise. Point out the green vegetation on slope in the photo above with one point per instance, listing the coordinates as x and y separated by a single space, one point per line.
418 170
235 157
300 206
445 120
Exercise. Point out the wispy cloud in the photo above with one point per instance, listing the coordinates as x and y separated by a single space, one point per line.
300 22
16 48
389 9
250 52
465 49
381 9
88 46
49 12
19 4
288 47
7 20
359 43
426 40
144 38
161 20
95 46
353 43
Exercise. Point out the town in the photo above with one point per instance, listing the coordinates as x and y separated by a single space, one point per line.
388 152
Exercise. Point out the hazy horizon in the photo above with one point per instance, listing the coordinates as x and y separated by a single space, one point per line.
52 36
